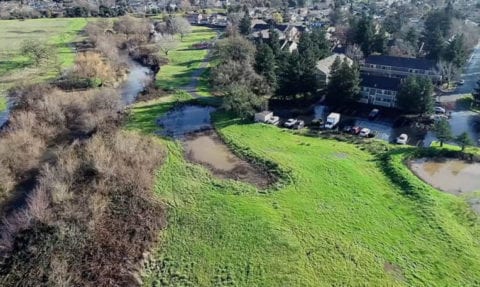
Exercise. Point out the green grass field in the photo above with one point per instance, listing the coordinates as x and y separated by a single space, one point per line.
15 68
3 103
341 222
184 60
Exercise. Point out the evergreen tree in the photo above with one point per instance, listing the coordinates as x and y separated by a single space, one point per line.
380 42
274 42
415 95
456 52
443 131
320 42
434 43
299 77
344 82
412 37
265 64
245 25
305 43
463 140
364 35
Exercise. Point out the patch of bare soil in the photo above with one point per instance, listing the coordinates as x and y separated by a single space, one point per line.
393 269
207 149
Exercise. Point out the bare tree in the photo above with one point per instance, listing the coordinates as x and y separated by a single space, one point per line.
179 25
447 70
354 52
166 43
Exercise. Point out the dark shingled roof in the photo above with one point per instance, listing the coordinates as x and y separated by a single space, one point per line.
411 63
384 83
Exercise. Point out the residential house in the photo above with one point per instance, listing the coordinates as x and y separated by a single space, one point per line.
324 66
378 90
399 67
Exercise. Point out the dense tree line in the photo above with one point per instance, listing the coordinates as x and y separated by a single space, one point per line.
439 41
363 32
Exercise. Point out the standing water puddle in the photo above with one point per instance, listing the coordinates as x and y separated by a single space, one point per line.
192 125
185 120
452 175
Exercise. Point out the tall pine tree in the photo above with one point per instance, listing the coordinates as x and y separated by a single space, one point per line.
265 64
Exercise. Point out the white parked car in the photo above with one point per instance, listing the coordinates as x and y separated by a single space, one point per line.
364 132
402 139
290 123
440 110
274 120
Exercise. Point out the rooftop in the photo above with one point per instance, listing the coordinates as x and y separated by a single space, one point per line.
325 65
412 63
378 82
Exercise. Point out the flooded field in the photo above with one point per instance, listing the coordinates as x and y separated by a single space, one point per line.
192 125
208 149
449 175
185 120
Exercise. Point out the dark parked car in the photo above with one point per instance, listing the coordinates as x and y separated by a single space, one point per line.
355 130
373 114
317 123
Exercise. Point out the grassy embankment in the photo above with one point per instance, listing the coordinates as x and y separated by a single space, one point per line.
15 68
184 60
341 221
348 218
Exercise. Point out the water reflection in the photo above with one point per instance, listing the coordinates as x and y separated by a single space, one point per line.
184 120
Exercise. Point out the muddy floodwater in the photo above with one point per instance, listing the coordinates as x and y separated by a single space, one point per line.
449 175
185 120
192 125
208 149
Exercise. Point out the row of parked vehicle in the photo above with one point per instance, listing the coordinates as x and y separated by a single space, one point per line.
333 119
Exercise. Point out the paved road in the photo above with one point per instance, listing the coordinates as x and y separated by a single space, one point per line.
471 74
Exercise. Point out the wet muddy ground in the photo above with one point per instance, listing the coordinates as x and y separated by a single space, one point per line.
450 175
192 126
208 149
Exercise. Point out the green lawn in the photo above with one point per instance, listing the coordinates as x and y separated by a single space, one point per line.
184 60
15 68
341 222
3 103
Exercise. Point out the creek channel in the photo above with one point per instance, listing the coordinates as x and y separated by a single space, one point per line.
138 78
191 124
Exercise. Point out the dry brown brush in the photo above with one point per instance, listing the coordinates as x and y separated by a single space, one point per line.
88 215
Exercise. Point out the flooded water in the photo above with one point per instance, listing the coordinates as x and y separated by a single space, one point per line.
449 175
185 120
192 125
4 116
208 149
138 78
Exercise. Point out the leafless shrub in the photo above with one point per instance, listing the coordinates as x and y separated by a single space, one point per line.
91 65
20 152
91 216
